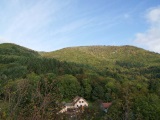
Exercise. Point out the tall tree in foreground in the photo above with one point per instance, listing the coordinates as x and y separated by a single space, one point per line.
38 100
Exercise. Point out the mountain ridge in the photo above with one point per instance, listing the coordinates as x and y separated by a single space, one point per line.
14 49
97 56
100 55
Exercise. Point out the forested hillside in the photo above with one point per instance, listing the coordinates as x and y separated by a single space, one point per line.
33 85
106 56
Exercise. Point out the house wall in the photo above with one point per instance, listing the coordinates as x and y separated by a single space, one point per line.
65 109
81 102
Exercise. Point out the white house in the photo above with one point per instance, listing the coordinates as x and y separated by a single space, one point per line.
78 102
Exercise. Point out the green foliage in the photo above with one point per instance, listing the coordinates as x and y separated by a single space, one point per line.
32 99
106 56
148 107
69 86
32 86
86 88
16 50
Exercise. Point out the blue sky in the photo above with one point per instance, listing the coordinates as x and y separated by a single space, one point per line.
47 25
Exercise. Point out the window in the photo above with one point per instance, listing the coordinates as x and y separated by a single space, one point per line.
79 101
82 101
77 105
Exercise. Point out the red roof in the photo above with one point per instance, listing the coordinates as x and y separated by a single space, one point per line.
106 105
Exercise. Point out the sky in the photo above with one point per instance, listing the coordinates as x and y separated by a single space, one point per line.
48 25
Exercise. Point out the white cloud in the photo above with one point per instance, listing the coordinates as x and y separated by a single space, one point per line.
154 15
74 25
29 20
3 40
151 38
30 23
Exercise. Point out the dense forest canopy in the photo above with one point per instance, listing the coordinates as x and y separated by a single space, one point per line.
33 84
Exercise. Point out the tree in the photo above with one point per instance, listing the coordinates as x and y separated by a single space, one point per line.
69 86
